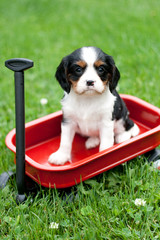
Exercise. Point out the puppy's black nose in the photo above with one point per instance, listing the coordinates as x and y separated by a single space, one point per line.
90 83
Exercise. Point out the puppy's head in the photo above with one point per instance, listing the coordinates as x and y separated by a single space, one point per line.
88 71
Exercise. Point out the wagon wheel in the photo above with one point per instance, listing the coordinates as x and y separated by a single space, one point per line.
154 156
5 177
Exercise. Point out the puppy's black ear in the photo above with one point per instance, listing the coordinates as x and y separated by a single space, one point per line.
114 75
61 75
114 79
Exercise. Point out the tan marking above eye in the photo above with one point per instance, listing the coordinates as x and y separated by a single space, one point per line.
81 63
99 63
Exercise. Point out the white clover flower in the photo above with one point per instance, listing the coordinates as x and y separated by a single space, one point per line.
54 225
139 202
43 101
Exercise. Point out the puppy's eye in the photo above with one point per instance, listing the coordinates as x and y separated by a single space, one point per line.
78 70
101 69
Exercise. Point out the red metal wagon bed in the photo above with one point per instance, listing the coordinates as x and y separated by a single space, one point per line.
33 142
43 138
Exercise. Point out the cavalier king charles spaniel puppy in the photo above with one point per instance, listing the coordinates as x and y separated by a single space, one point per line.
91 105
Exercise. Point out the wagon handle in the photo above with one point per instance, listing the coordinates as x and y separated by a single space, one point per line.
18 65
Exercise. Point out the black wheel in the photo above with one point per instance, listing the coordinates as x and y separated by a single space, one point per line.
153 155
5 177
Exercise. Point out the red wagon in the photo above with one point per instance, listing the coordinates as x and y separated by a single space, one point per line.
42 137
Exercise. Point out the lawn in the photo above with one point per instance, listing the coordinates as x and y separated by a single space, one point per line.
45 31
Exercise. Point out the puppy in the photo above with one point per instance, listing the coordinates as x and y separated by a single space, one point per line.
91 105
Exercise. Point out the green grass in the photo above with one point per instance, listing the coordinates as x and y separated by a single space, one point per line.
45 31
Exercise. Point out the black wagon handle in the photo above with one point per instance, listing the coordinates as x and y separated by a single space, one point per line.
18 65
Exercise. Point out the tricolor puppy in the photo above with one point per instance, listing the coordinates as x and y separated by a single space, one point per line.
91 105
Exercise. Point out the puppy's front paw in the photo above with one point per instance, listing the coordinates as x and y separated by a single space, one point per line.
106 145
92 142
59 158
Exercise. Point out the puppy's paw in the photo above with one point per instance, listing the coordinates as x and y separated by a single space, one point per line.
126 135
135 130
105 146
59 158
92 142
123 137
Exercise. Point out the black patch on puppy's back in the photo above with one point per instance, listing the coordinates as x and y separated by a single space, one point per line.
121 112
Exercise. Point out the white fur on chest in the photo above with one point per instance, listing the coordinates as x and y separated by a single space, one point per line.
88 112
